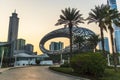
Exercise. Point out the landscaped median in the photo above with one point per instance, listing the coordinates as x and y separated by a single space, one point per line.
109 74
89 65
68 71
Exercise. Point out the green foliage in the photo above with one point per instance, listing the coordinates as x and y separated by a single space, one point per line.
110 74
90 41
61 69
112 59
37 61
92 64
56 57
70 15
65 65
93 40
7 62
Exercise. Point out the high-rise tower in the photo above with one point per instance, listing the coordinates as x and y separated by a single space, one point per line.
56 46
112 4
13 27
106 44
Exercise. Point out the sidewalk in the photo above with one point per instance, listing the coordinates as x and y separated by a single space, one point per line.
3 69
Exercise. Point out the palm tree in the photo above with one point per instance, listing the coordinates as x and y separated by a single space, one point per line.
97 16
93 40
78 40
70 17
112 17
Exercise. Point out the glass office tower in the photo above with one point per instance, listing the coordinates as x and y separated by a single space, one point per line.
113 5
106 44
56 46
19 44
117 40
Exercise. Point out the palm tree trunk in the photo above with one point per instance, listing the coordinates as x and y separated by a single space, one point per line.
114 54
102 40
95 48
70 30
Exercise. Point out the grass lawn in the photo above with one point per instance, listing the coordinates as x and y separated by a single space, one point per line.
110 74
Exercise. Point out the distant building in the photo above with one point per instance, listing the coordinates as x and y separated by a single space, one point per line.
13 31
113 5
13 27
20 44
56 46
117 40
106 44
21 47
29 47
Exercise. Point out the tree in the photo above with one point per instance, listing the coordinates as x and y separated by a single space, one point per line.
70 17
112 16
97 16
37 61
78 40
93 40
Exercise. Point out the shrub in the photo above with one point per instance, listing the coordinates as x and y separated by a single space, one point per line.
92 64
37 61
61 69
65 65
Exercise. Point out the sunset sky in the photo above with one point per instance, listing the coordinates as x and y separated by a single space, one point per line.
38 17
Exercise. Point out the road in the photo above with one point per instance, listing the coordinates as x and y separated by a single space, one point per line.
35 73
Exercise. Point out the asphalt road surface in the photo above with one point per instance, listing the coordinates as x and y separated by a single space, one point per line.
35 73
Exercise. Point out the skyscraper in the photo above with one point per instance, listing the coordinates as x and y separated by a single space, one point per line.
13 27
106 44
113 5
19 44
117 40
56 46
29 47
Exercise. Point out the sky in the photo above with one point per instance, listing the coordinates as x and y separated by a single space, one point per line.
38 17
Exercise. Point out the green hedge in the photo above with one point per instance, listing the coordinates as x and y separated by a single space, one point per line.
65 65
92 64
61 69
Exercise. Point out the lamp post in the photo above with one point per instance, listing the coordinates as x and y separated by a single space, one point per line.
15 64
61 57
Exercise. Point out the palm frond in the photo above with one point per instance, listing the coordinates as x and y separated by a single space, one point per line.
70 15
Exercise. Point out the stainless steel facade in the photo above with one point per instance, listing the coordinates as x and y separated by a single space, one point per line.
63 32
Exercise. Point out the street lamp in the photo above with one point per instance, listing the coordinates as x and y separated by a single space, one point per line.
61 57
